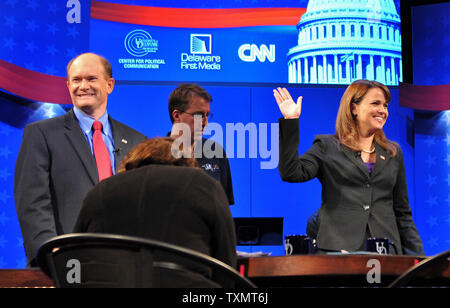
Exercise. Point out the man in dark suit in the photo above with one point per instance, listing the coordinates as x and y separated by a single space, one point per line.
58 160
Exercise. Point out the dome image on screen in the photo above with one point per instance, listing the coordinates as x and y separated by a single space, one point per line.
340 41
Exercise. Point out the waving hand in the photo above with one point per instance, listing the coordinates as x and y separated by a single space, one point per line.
288 107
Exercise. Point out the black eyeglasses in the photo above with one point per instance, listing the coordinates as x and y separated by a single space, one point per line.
204 115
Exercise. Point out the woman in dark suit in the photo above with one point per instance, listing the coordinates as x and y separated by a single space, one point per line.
364 191
162 196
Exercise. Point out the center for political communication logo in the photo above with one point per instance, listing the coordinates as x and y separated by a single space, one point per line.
140 43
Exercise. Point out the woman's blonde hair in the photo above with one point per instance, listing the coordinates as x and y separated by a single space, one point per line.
346 123
154 151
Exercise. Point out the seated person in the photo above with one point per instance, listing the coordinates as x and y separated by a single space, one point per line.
312 226
158 196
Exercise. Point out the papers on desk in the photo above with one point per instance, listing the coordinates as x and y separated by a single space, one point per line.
345 252
243 254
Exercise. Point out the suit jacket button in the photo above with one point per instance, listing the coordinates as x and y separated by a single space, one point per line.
366 207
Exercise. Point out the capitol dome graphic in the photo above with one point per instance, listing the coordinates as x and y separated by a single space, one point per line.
340 41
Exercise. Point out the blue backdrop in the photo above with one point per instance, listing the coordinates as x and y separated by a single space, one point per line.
37 36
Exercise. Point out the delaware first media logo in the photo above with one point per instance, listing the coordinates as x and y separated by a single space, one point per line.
201 44
139 44
200 56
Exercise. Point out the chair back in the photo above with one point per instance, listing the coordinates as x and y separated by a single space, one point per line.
424 265
104 260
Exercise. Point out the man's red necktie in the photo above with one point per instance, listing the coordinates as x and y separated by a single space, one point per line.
101 153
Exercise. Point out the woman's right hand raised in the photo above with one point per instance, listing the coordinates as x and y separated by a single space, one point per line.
288 107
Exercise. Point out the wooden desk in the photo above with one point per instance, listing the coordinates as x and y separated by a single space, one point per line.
290 271
335 270
24 278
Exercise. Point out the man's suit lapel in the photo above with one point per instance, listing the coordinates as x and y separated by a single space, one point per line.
80 145
121 143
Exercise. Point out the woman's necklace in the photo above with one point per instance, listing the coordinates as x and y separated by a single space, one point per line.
368 152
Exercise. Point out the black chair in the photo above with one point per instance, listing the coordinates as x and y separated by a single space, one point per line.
420 267
106 260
